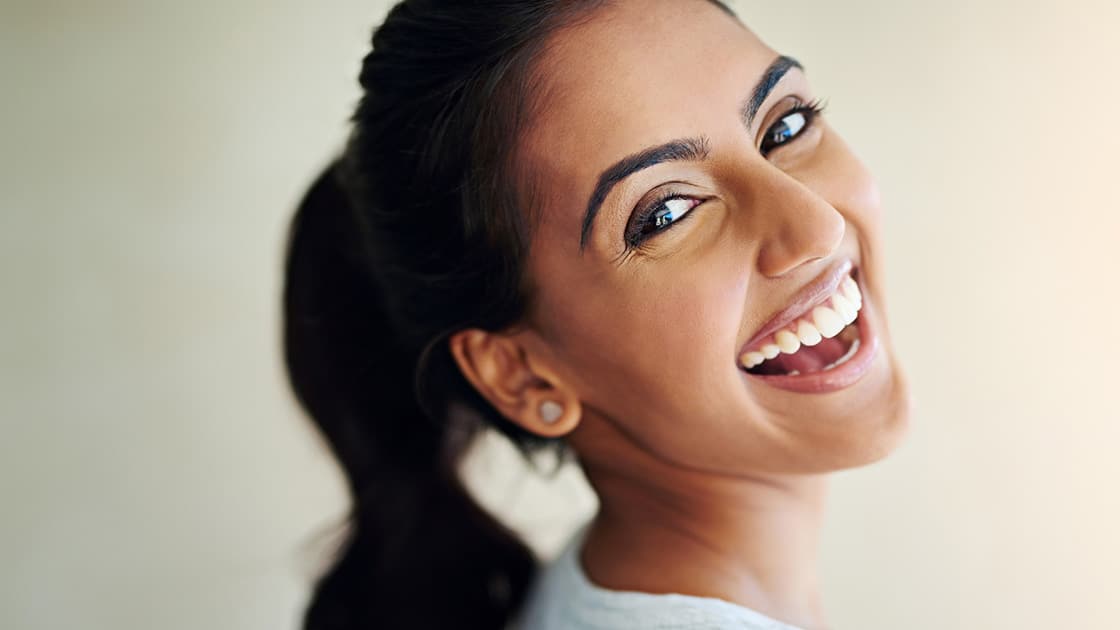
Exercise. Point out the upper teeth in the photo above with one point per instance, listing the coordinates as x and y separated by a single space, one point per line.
824 322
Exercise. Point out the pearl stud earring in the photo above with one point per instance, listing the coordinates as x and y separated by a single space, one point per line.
551 411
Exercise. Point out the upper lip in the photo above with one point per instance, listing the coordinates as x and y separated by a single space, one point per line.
812 295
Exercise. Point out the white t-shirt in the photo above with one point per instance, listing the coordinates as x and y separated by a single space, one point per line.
563 598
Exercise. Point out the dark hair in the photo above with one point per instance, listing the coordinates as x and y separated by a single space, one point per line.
415 232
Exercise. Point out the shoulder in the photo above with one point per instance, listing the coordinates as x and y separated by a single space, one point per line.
562 598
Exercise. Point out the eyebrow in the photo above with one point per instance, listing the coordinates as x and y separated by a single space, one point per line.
686 149
769 80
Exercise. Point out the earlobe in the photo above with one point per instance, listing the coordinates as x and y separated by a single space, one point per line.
517 385
551 411
555 418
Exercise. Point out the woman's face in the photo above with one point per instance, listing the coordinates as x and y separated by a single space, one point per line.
685 196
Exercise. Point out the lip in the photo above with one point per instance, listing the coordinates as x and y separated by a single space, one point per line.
838 377
814 294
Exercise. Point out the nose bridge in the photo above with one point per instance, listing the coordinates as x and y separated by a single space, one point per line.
792 223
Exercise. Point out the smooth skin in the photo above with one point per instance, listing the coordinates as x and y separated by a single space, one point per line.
711 482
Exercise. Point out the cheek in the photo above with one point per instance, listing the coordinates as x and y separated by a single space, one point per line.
657 345
842 179
689 316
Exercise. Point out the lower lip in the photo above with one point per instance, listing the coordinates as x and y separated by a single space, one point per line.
839 377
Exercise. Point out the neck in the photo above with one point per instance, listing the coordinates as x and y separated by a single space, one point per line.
749 540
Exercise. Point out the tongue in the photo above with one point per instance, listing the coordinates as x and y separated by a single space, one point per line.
808 358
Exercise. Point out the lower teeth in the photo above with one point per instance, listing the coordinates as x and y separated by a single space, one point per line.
847 355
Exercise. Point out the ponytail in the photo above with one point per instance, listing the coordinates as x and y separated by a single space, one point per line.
419 552
417 232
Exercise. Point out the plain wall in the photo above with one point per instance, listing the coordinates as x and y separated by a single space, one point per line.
155 473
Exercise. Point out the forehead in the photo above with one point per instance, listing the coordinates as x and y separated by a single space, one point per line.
634 75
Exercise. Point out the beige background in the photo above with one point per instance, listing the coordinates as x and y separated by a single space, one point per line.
154 473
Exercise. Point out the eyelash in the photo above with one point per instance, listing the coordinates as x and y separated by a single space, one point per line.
810 110
634 236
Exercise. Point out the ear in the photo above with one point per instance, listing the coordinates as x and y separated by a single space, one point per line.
520 386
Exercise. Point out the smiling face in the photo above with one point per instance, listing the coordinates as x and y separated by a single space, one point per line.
689 204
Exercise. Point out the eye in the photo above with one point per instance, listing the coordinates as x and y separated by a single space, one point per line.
658 216
789 127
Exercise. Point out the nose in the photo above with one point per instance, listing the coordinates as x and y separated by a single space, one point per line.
795 225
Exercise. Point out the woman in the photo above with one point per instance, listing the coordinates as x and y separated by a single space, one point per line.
616 227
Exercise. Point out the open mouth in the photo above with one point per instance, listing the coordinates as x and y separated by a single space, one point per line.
823 338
